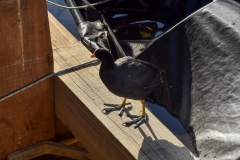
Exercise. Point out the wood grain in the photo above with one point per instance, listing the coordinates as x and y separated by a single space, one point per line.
59 40
61 132
63 135
25 56
26 53
27 118
49 147
99 145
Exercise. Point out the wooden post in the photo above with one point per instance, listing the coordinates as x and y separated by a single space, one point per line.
26 53
25 56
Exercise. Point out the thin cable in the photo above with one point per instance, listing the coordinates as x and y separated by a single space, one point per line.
77 7
88 4
48 76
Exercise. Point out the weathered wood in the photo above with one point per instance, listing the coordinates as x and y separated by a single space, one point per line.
99 144
49 147
79 98
25 51
25 56
61 132
63 135
27 118
59 40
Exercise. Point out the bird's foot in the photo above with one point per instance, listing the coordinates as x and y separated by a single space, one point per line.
114 107
136 119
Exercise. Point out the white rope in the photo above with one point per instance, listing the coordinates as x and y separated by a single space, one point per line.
48 76
77 7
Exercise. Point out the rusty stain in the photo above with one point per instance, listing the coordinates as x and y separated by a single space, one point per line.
21 31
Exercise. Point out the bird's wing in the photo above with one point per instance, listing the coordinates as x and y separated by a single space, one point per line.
142 73
159 77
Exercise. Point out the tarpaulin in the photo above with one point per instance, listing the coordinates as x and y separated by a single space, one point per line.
201 56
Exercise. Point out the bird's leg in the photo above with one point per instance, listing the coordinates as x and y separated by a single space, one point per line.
114 107
138 119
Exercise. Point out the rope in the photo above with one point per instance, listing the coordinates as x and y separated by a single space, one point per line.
48 76
77 7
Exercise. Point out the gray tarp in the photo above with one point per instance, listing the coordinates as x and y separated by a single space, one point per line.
201 56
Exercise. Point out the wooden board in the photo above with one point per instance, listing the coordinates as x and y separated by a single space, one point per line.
79 98
27 118
25 51
59 40
61 132
63 135
25 56
52 148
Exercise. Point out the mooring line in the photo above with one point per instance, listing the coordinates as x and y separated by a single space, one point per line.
48 76
77 7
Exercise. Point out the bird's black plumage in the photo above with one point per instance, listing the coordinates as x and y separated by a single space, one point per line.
128 77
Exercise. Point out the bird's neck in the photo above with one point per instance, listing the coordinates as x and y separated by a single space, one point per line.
107 64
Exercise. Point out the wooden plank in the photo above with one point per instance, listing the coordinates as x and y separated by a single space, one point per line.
25 56
70 141
25 51
59 40
49 147
61 132
27 118
88 134
79 98
63 135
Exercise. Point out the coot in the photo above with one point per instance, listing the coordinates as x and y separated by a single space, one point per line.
129 78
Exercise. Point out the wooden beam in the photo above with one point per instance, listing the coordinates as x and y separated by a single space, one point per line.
88 130
70 141
79 98
61 132
25 51
63 135
25 56
49 147
27 118
59 40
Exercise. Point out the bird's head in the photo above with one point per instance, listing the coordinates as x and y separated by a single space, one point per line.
104 55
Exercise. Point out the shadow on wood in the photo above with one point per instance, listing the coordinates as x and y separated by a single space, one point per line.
163 149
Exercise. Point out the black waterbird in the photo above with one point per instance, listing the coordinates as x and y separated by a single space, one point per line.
129 78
